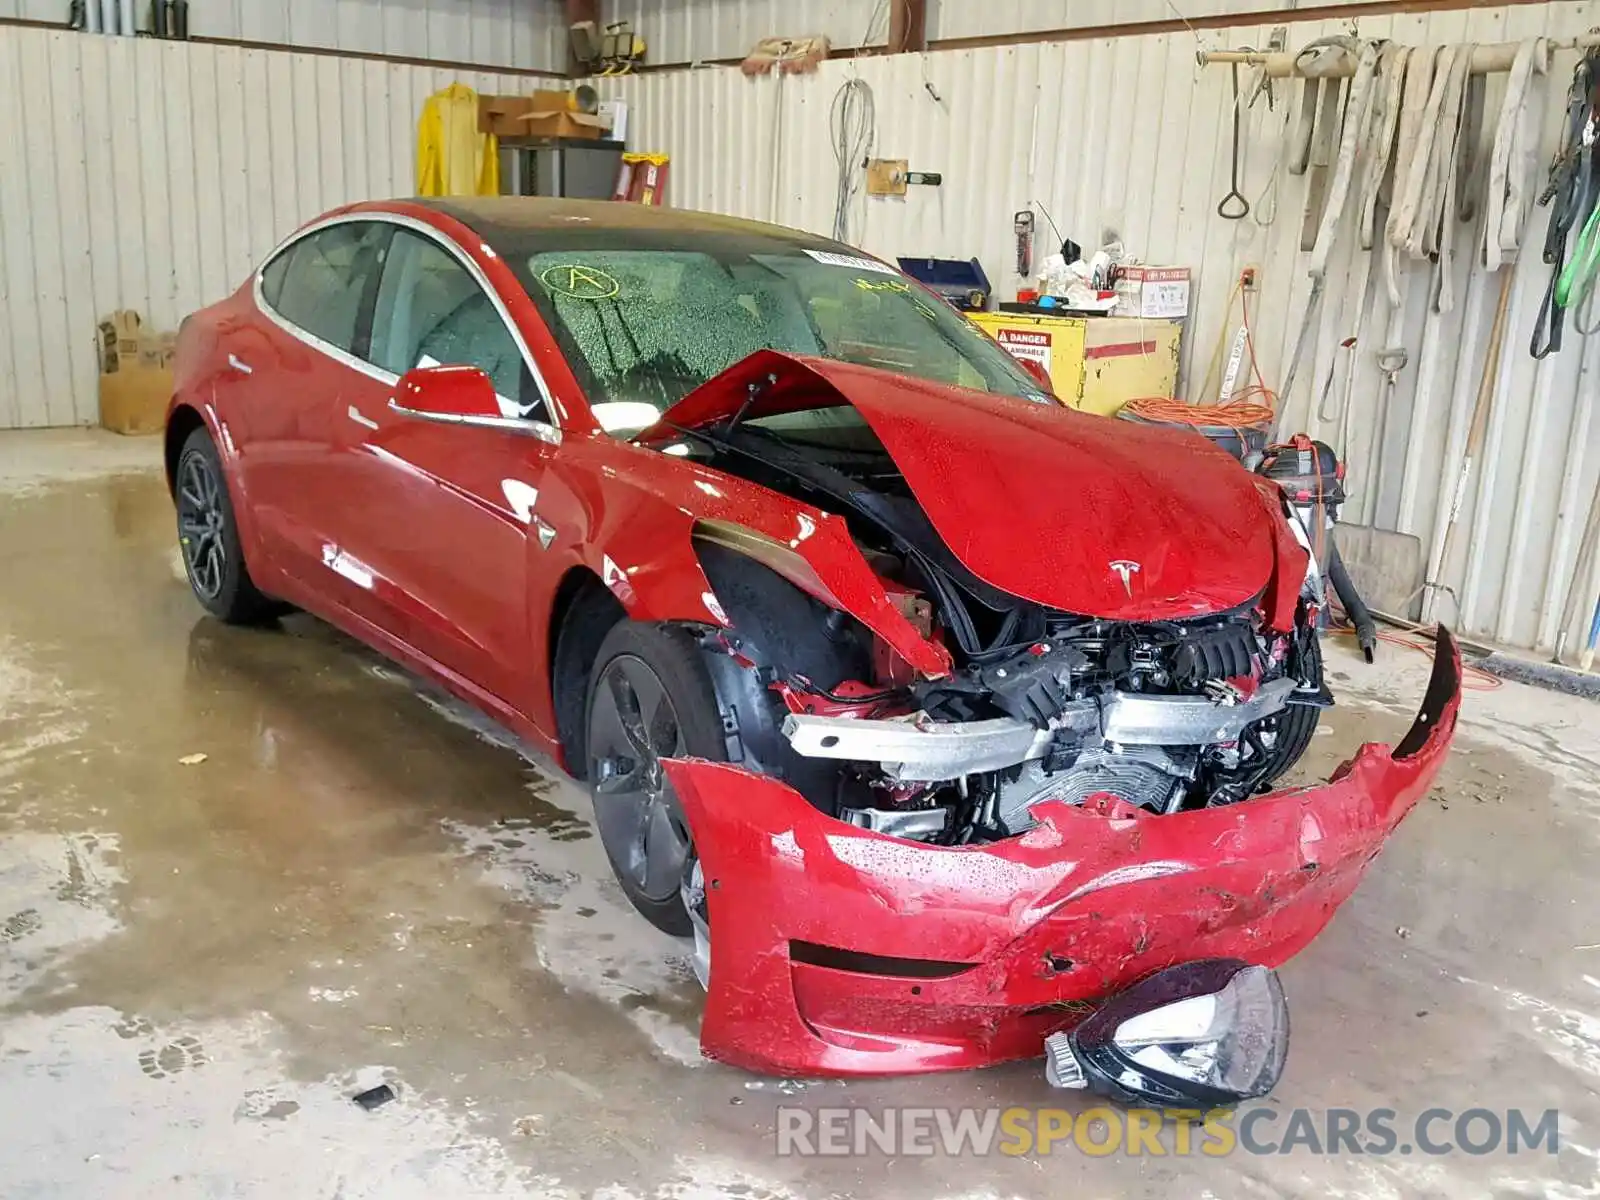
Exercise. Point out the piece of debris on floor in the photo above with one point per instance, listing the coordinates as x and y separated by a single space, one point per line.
374 1097
192 760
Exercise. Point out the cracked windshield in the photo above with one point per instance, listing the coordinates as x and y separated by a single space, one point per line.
643 328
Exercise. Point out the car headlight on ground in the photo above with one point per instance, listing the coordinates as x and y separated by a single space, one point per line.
1204 1033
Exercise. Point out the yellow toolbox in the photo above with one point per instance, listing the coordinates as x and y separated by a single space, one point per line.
1097 364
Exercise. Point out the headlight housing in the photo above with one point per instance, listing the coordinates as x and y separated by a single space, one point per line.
1206 1033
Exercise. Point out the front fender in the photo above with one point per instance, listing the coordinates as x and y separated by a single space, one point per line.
836 950
641 514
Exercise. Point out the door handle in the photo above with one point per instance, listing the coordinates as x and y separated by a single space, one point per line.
238 364
356 415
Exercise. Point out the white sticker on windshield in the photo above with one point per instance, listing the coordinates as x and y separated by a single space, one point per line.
853 261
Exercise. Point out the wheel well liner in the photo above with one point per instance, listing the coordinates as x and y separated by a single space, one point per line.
583 613
183 421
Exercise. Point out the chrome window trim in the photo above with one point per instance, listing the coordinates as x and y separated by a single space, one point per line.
546 431
517 425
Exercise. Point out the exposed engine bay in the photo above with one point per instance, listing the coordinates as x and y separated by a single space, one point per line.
1041 705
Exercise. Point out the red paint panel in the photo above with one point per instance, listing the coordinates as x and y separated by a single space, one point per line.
1119 349
1037 499
1082 906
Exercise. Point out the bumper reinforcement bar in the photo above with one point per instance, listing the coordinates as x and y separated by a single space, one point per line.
914 749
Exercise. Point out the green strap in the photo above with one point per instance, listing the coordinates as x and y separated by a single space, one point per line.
1578 278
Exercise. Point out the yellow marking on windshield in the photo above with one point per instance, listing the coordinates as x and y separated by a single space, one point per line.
579 282
883 285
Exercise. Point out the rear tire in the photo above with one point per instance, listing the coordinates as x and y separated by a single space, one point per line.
650 698
208 535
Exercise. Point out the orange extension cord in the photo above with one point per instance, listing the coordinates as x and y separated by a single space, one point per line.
1473 679
1255 406
1248 407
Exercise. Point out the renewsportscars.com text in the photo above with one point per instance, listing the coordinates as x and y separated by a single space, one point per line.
1103 1130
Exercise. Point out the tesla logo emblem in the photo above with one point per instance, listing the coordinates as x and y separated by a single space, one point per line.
579 282
1125 569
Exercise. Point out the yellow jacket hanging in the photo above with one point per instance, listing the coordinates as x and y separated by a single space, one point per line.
453 158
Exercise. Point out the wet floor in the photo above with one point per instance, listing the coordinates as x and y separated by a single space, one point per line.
202 960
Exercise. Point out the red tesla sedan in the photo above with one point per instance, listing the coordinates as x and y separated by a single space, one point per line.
942 705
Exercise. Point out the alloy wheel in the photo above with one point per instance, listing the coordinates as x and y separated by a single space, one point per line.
201 522
632 728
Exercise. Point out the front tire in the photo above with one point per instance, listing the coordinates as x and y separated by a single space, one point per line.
1297 724
208 535
650 698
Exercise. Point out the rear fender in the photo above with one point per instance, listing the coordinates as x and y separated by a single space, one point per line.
198 400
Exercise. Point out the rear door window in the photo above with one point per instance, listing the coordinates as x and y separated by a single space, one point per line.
326 282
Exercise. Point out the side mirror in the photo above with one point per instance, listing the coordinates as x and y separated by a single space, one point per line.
451 394
1036 369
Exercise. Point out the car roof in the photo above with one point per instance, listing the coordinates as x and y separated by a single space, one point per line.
502 218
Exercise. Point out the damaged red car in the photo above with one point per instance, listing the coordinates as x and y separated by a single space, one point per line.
944 719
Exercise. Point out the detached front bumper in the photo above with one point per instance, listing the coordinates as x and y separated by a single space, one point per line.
840 951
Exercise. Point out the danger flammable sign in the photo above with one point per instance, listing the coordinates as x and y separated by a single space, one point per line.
1026 344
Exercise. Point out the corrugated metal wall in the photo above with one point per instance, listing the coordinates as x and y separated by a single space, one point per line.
1131 135
528 34
978 18
136 173
681 31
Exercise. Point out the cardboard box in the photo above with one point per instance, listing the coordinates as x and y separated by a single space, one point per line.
543 114
134 399
135 374
1153 292
496 114
155 350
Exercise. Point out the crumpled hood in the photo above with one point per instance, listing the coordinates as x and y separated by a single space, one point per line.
1093 516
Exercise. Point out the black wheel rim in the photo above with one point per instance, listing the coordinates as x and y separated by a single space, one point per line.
632 727
200 525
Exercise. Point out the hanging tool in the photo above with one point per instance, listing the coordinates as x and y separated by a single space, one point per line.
1327 384
1573 187
1391 361
1265 208
1320 228
1475 435
1022 226
1260 81
1588 544
1234 207
1577 281
1516 142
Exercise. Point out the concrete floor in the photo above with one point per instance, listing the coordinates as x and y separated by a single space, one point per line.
200 964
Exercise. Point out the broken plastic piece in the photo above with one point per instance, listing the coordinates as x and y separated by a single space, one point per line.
374 1097
1121 895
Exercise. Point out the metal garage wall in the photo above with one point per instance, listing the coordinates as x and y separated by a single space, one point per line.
1129 134
137 173
511 33
980 18
682 31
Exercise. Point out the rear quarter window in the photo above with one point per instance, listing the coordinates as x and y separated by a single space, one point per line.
325 283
